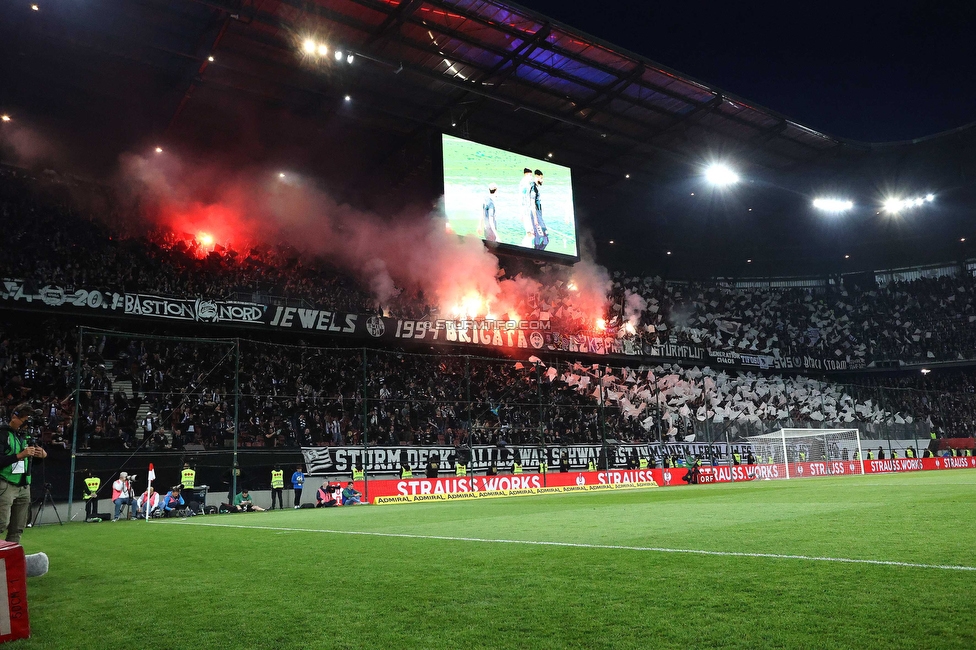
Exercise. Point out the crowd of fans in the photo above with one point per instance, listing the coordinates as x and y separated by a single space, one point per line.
924 320
299 395
303 396
929 319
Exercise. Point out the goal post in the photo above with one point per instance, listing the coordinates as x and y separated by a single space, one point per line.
791 446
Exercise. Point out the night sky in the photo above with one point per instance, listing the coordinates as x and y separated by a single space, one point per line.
868 71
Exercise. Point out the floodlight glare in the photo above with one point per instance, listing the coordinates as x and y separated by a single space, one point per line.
210 58
893 205
338 55
349 59
309 46
833 205
159 150
348 98
897 205
5 118
721 175
322 49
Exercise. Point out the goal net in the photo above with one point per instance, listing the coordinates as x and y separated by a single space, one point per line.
812 452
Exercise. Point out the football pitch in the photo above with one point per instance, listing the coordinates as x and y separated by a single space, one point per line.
879 561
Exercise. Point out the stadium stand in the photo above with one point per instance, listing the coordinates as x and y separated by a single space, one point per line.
140 392
925 320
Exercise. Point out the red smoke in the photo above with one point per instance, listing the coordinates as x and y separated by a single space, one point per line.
409 251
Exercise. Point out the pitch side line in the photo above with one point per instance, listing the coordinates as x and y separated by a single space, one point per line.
615 547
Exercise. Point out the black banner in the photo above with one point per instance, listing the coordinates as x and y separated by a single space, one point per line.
341 460
532 335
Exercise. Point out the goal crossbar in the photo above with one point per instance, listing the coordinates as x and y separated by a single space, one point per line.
782 435
798 433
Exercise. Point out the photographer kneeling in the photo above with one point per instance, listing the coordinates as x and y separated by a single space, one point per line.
243 503
172 501
325 496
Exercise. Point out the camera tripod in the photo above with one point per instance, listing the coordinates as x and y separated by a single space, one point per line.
45 499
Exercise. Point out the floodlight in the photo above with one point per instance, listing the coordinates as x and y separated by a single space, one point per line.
721 175
210 58
626 175
348 98
35 8
847 257
668 253
322 49
349 59
281 174
925 371
833 205
5 118
338 55
309 46
611 241
159 150
897 205
893 205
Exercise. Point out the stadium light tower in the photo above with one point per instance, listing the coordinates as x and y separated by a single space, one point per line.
721 175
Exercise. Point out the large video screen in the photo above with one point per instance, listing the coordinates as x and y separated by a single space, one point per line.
488 194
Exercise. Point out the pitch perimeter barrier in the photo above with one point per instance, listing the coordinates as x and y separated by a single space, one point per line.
419 490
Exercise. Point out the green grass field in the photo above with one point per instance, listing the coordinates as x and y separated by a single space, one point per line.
388 577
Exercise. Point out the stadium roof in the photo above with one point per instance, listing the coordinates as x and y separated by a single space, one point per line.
119 76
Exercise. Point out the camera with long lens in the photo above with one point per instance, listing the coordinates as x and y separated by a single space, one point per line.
33 422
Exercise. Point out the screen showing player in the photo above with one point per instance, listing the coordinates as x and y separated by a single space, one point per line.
507 198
